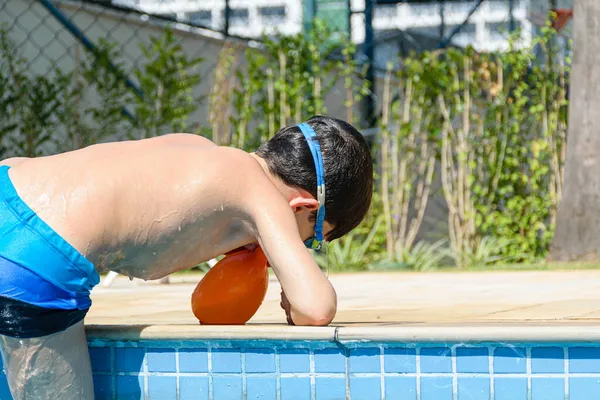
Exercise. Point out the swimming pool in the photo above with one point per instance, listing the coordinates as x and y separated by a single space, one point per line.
503 362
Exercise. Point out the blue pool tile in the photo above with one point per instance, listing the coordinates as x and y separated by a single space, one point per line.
4 392
401 387
399 359
102 387
510 360
365 360
162 387
437 388
227 388
226 360
295 388
193 360
436 359
472 360
584 388
261 388
584 359
547 360
330 388
260 360
294 360
474 388
129 359
100 358
130 387
193 388
510 388
547 389
161 360
365 388
330 360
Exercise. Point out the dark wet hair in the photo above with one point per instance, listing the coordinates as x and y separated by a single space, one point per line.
348 169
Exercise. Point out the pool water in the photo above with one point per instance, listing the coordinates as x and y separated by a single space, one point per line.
320 370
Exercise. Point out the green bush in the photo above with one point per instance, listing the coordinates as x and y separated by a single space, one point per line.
29 104
491 125
167 80
423 256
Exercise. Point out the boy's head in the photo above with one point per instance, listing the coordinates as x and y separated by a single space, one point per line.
347 164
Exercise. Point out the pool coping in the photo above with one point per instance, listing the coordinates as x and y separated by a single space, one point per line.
511 332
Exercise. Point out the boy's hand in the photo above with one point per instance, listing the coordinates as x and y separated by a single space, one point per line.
285 304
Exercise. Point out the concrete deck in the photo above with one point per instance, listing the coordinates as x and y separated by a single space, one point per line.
376 300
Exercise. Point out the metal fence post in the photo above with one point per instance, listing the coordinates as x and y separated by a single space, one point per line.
511 16
370 58
227 15
310 11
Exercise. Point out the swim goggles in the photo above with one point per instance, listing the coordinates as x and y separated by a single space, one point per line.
316 242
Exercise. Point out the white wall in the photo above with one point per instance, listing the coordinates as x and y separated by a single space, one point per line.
255 25
47 44
400 16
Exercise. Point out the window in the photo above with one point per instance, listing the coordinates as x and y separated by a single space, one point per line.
385 11
500 30
170 15
427 31
272 15
464 29
202 18
237 16
465 36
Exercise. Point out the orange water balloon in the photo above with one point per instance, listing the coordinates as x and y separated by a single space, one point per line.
233 290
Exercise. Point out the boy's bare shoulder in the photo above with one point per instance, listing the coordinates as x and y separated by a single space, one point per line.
240 162
243 171
184 139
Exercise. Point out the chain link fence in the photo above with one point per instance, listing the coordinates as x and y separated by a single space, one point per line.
64 35
51 33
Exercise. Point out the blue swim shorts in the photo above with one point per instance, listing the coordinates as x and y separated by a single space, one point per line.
45 283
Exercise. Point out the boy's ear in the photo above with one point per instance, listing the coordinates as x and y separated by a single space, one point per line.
300 203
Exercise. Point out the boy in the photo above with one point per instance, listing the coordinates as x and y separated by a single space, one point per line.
152 207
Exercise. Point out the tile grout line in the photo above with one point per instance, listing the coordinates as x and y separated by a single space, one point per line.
306 375
278 374
145 373
567 365
454 373
113 371
209 373
177 384
382 370
244 382
491 370
528 371
418 370
347 369
313 388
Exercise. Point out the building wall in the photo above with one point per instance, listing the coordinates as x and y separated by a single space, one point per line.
249 20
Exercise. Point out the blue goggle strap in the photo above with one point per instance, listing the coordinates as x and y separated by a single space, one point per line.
315 149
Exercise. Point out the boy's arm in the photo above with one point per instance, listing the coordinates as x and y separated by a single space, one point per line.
312 298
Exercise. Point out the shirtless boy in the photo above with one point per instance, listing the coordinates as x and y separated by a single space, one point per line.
152 207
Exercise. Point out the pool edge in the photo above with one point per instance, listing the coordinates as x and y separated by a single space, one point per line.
179 332
408 333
